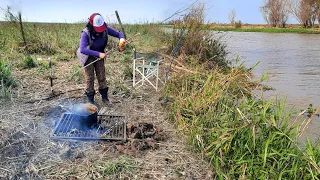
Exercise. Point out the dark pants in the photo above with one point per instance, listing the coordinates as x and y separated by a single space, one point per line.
100 70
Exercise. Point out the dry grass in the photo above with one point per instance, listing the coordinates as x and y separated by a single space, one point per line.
26 123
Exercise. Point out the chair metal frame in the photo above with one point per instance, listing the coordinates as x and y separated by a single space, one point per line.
146 71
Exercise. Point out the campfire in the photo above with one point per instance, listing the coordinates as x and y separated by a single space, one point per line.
108 127
84 123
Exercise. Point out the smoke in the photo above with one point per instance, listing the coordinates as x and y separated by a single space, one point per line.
75 120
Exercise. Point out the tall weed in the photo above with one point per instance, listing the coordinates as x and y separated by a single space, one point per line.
243 137
201 45
6 74
29 62
7 82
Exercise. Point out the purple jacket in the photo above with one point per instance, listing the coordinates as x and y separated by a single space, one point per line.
99 43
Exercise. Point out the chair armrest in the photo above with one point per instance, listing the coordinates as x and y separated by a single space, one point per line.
141 58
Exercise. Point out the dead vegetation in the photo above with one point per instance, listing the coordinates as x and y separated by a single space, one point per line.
29 118
156 149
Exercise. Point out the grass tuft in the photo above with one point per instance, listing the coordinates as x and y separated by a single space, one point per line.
78 76
29 62
117 167
6 74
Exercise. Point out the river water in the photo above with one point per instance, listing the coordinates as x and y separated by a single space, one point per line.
292 61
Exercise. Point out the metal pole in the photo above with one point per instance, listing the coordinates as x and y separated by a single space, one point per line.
51 79
118 17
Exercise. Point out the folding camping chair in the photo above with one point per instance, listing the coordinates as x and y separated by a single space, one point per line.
146 70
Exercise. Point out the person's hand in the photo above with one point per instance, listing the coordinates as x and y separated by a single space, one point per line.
102 55
122 43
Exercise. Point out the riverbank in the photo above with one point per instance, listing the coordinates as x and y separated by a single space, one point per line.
290 28
266 30
297 29
243 135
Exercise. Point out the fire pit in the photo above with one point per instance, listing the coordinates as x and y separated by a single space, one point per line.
108 128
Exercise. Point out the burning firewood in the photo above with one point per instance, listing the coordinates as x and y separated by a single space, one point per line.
91 108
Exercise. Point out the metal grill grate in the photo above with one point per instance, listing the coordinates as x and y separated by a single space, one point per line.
110 127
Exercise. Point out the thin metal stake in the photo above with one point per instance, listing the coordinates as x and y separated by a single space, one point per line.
134 67
51 79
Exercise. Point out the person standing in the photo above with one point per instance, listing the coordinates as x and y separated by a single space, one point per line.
93 42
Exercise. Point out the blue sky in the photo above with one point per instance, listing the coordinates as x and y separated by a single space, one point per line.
131 11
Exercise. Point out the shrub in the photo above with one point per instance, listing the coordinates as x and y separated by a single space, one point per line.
6 80
43 65
5 92
63 57
128 71
202 45
77 74
29 62
6 75
238 24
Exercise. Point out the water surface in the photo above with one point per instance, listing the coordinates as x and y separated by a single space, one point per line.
293 61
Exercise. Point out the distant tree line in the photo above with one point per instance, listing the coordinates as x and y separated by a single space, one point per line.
277 12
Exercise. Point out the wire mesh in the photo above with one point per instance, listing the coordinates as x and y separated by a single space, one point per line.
109 127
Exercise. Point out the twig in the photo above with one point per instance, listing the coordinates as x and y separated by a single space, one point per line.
181 68
300 114
308 122
167 56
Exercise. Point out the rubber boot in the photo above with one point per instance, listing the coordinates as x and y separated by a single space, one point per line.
104 95
90 97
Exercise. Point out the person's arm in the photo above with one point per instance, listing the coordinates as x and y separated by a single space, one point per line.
119 35
84 41
115 33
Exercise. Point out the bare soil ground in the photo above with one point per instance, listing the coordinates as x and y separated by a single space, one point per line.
26 122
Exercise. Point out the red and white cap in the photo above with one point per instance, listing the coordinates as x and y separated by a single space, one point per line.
97 21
